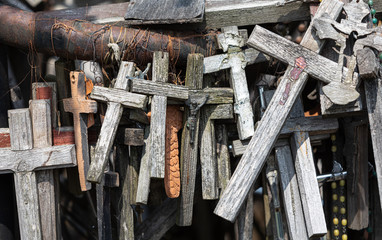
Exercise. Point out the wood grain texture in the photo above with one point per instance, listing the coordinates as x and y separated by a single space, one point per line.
308 185
36 87
290 193
127 99
373 92
109 126
223 157
245 219
25 181
134 137
42 137
143 187
268 130
174 122
62 68
79 106
189 153
158 117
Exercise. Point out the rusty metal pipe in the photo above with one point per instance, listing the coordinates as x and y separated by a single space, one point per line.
79 39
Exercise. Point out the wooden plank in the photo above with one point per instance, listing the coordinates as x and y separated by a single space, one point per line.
48 200
242 13
121 96
179 92
109 126
208 158
143 187
245 219
25 182
189 152
268 130
158 117
174 122
290 193
306 177
164 12
223 157
134 137
80 107
63 68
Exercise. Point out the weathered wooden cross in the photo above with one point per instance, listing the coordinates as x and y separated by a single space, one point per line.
278 110
80 107
28 126
117 98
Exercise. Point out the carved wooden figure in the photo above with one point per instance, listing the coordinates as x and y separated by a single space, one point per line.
269 128
80 107
24 160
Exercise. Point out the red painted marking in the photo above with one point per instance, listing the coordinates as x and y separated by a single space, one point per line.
44 93
5 140
294 74
67 137
285 94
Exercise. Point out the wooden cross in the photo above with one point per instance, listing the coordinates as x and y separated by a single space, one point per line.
235 59
23 160
80 107
117 98
270 126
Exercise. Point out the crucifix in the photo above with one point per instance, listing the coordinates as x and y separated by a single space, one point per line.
271 124
23 159
80 107
117 98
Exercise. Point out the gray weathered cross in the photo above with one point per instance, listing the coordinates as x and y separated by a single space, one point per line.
80 107
274 118
23 160
117 98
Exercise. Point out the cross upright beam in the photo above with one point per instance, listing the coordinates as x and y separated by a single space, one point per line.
270 126
80 107
115 105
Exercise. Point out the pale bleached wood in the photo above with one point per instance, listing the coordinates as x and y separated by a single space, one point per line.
20 130
290 193
268 130
222 155
158 117
127 99
245 219
189 152
308 185
241 13
143 187
25 181
53 106
109 127
42 137
208 158
179 92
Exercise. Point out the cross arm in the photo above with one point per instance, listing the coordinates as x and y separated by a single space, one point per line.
127 99
76 105
38 158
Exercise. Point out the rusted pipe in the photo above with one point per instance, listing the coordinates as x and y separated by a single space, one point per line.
79 39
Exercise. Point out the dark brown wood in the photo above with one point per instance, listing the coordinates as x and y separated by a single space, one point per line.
134 136
79 106
63 68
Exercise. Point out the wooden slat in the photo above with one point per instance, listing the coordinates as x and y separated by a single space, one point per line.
52 85
143 187
223 157
158 117
189 152
268 130
109 126
121 96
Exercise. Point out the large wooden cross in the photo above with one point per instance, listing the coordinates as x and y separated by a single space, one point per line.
271 124
117 98
80 107
23 160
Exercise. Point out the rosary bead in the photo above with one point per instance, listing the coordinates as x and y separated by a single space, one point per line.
335 209
371 3
344 222
335 221
343 210
336 232
342 198
334 148
375 21
344 237
342 183
335 197
333 137
373 11
334 185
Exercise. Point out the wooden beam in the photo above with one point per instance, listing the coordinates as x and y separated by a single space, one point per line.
268 130
158 117
121 96
47 90
223 157
143 187
189 152
109 126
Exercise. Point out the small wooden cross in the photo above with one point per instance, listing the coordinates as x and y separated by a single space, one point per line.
80 107
270 126
117 98
23 160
